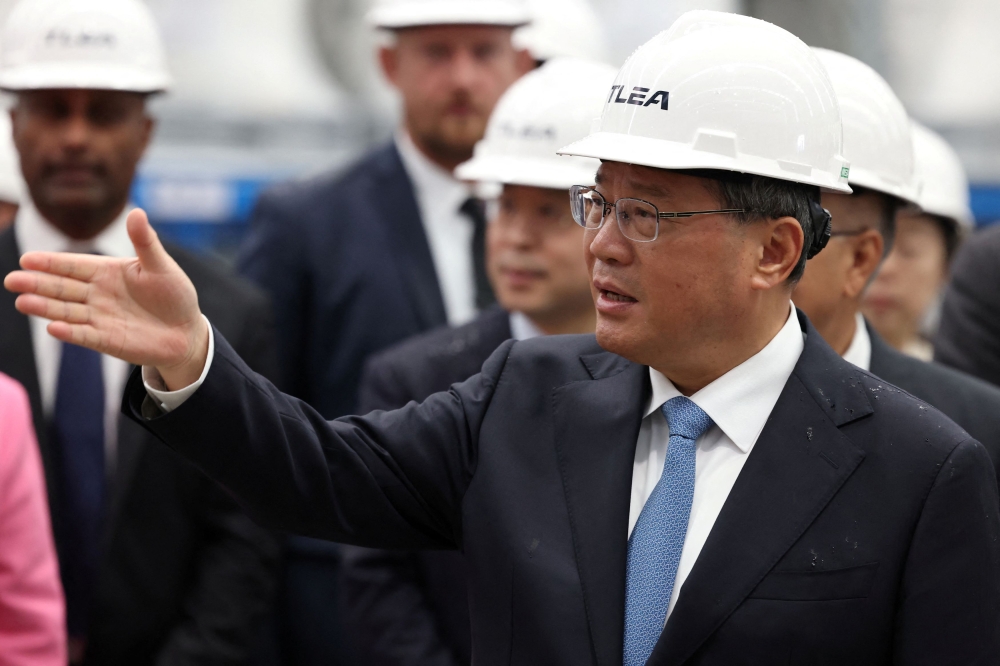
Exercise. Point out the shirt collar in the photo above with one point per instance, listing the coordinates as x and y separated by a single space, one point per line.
522 328
435 187
36 234
740 401
860 350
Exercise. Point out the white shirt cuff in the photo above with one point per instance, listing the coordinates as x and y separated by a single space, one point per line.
171 400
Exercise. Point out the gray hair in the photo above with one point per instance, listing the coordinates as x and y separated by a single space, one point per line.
767 199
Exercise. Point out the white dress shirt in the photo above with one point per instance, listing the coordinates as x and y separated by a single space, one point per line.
860 350
36 234
449 231
739 403
522 328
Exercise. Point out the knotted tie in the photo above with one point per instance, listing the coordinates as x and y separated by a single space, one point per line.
654 549
78 448
473 209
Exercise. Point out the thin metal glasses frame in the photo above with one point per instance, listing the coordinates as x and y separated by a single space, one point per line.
578 191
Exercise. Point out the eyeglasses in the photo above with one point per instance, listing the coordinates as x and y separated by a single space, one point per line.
638 220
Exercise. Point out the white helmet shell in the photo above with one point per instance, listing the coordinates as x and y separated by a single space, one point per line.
543 111
727 92
398 14
941 181
563 29
876 127
96 44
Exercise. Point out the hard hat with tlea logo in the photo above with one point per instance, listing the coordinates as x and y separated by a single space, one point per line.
97 44
399 14
725 92
543 111
942 186
876 127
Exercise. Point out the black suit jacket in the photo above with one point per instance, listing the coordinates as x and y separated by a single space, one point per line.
411 607
186 575
349 270
969 335
863 528
968 401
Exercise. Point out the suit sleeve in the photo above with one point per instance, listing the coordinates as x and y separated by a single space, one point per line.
236 567
273 258
969 334
950 599
388 480
392 621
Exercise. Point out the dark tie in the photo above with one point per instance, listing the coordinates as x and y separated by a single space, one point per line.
78 449
473 208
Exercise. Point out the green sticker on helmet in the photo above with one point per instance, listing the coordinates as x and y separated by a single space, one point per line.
844 171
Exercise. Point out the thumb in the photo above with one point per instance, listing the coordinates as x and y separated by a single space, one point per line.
151 255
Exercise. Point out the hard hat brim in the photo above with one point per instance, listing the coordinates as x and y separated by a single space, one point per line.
448 12
663 154
872 181
551 173
83 75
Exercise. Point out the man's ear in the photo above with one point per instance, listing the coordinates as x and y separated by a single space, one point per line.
867 248
525 62
781 242
388 58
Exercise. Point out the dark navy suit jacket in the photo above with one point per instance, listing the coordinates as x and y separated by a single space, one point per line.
411 606
968 401
347 265
863 528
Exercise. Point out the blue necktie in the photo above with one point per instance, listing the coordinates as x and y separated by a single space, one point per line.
654 549
78 450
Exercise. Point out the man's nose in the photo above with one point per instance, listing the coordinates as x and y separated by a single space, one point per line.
607 244
76 132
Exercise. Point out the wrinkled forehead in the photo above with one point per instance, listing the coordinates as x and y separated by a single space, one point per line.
631 180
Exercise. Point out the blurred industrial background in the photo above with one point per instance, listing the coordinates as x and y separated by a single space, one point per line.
270 90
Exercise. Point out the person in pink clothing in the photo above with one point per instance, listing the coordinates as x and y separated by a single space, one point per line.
32 610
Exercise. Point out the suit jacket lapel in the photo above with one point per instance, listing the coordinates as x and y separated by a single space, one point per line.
397 204
796 467
597 425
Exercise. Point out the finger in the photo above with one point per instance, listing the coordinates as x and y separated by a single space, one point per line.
149 250
50 286
83 335
77 266
49 308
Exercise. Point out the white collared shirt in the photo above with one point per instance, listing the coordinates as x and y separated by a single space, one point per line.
36 234
449 231
522 328
739 403
860 350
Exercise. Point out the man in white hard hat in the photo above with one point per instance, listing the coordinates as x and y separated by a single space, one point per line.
879 144
538 274
158 565
706 482
391 247
903 297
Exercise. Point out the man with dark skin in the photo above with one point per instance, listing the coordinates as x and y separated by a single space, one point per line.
158 565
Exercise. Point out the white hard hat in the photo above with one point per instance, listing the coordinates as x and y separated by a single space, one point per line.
943 188
727 92
12 187
876 127
396 14
98 44
543 111
563 29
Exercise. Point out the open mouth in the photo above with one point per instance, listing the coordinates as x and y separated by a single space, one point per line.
616 297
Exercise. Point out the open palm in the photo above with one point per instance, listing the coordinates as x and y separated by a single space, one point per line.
142 310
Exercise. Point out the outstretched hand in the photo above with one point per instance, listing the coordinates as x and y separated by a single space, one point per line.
142 310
